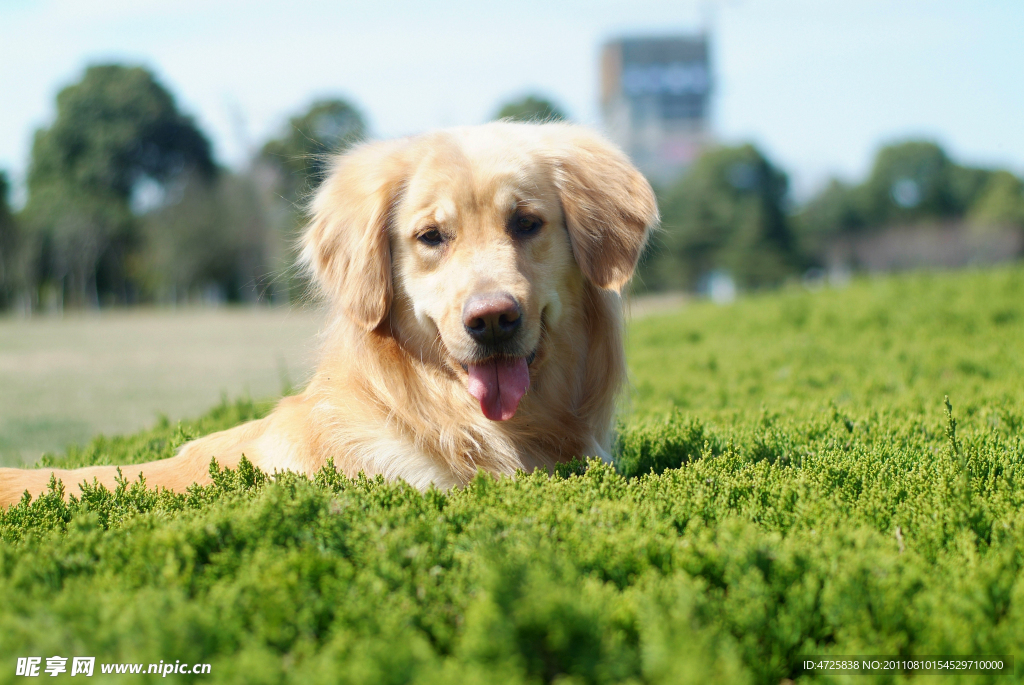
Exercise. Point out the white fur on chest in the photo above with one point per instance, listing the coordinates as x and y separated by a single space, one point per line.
396 458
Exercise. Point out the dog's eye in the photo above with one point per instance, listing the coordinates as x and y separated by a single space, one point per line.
433 237
524 224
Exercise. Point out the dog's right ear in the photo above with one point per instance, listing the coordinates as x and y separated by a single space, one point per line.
609 206
346 245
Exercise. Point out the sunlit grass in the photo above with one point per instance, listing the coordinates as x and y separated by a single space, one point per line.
790 480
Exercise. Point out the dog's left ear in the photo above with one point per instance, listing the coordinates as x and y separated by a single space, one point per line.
609 206
346 244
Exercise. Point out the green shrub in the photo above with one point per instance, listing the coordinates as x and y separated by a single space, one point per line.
654 446
840 507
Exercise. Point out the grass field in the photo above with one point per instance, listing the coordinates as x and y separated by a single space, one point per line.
64 380
790 481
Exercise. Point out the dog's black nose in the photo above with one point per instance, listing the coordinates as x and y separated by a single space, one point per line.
491 319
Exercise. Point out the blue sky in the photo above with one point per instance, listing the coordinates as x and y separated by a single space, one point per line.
818 84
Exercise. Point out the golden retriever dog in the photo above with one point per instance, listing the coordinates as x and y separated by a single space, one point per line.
475 277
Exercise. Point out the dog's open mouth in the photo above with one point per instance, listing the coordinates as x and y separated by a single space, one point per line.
499 384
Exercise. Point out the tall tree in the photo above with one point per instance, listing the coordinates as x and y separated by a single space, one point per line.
116 130
531 108
302 153
915 181
910 182
1000 203
8 245
212 239
293 165
726 212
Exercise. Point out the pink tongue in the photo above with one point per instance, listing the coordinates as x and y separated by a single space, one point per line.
499 384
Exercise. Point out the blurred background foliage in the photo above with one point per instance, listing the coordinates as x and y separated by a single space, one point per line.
300 156
117 133
531 108
913 182
731 212
125 205
8 235
726 213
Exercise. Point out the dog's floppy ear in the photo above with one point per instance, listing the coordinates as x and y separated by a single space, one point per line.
346 245
609 206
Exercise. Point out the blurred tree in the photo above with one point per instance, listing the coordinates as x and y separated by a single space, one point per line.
916 181
837 208
292 166
301 155
531 108
209 242
966 185
116 131
1000 202
726 212
8 245
910 182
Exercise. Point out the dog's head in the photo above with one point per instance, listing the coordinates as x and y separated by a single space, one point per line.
468 243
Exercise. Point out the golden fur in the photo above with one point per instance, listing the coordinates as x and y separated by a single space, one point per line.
390 394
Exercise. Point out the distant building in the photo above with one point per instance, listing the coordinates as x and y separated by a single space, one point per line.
654 96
